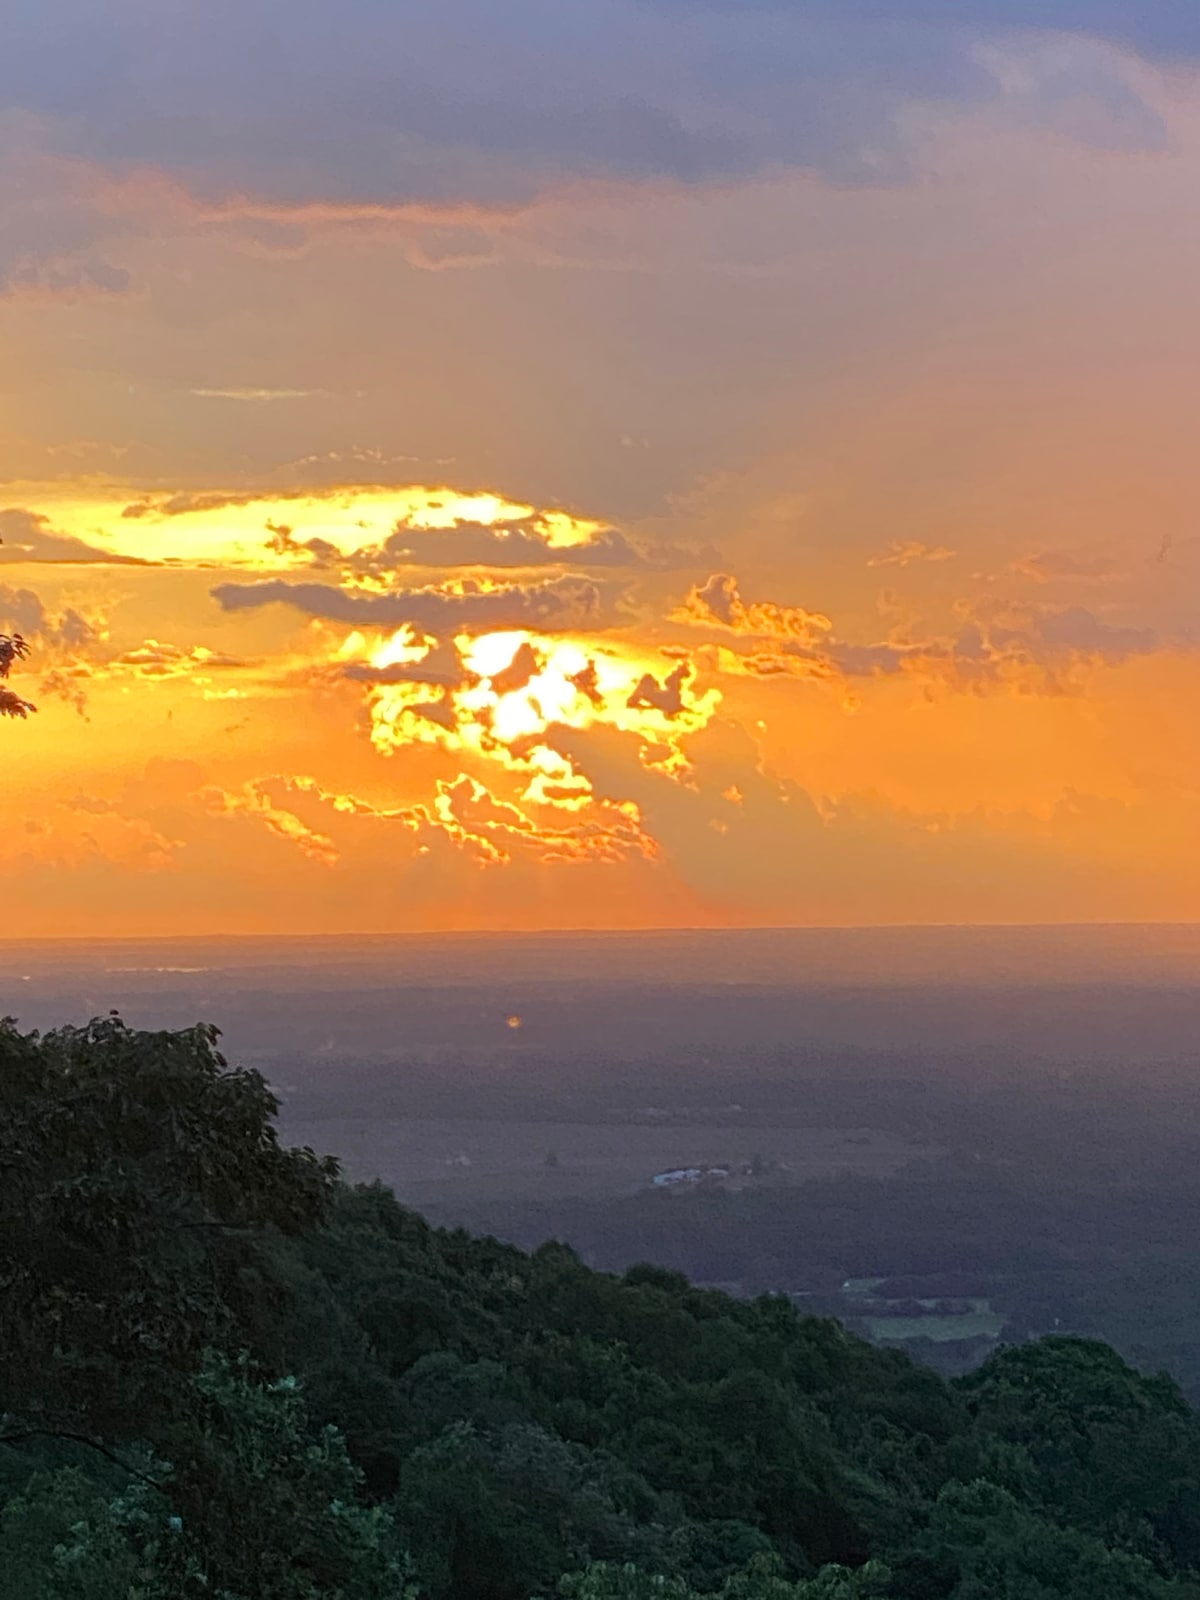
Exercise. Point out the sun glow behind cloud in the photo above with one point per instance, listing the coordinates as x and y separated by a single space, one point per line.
516 691
592 739
683 500
241 528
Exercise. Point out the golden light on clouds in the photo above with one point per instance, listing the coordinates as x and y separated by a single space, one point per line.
663 528
354 695
240 528
504 697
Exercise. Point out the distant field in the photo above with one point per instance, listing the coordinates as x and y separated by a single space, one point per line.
443 1160
977 1319
971 1325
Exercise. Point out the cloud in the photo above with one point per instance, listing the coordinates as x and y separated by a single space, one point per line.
668 696
998 643
508 703
254 801
1046 566
57 228
153 659
525 665
1167 30
469 103
524 543
182 505
1075 630
26 536
466 813
718 603
509 545
472 606
495 831
441 666
373 532
76 835
61 642
904 552
261 395
22 611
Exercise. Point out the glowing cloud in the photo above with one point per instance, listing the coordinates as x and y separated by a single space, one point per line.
517 690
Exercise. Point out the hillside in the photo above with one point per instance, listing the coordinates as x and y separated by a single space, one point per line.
229 1374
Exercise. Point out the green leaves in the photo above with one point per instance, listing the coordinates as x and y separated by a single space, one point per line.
108 1133
12 649
274 1503
1074 1430
67 1537
228 1377
139 1181
761 1579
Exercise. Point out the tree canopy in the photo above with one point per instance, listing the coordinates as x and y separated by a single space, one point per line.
12 649
228 1374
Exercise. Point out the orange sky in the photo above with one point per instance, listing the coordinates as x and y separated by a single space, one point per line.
611 548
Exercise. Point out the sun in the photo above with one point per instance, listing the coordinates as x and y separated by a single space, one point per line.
514 691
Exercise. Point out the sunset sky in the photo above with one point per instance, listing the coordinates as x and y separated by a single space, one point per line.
600 463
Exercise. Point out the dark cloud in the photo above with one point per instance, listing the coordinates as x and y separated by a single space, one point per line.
472 102
26 536
1162 28
508 546
22 611
56 231
525 665
441 667
587 681
717 600
562 603
995 641
1078 630
519 544
667 697
182 505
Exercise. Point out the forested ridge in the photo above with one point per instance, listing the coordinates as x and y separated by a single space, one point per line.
228 1374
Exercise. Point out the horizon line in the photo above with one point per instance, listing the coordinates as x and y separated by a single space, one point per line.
19 941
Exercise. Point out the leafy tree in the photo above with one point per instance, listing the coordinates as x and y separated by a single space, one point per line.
608 1581
12 649
760 1579
274 1505
1075 1430
997 1549
67 1537
706 1554
136 1173
506 1512
260 1507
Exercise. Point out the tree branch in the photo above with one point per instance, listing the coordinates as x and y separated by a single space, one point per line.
80 1438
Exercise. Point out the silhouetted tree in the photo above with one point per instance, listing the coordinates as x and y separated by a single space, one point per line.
12 649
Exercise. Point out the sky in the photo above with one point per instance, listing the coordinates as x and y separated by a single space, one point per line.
599 464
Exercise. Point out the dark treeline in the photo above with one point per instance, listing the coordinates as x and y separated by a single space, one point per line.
226 1374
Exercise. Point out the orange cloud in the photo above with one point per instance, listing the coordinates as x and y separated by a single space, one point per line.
718 603
516 692
998 643
904 552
